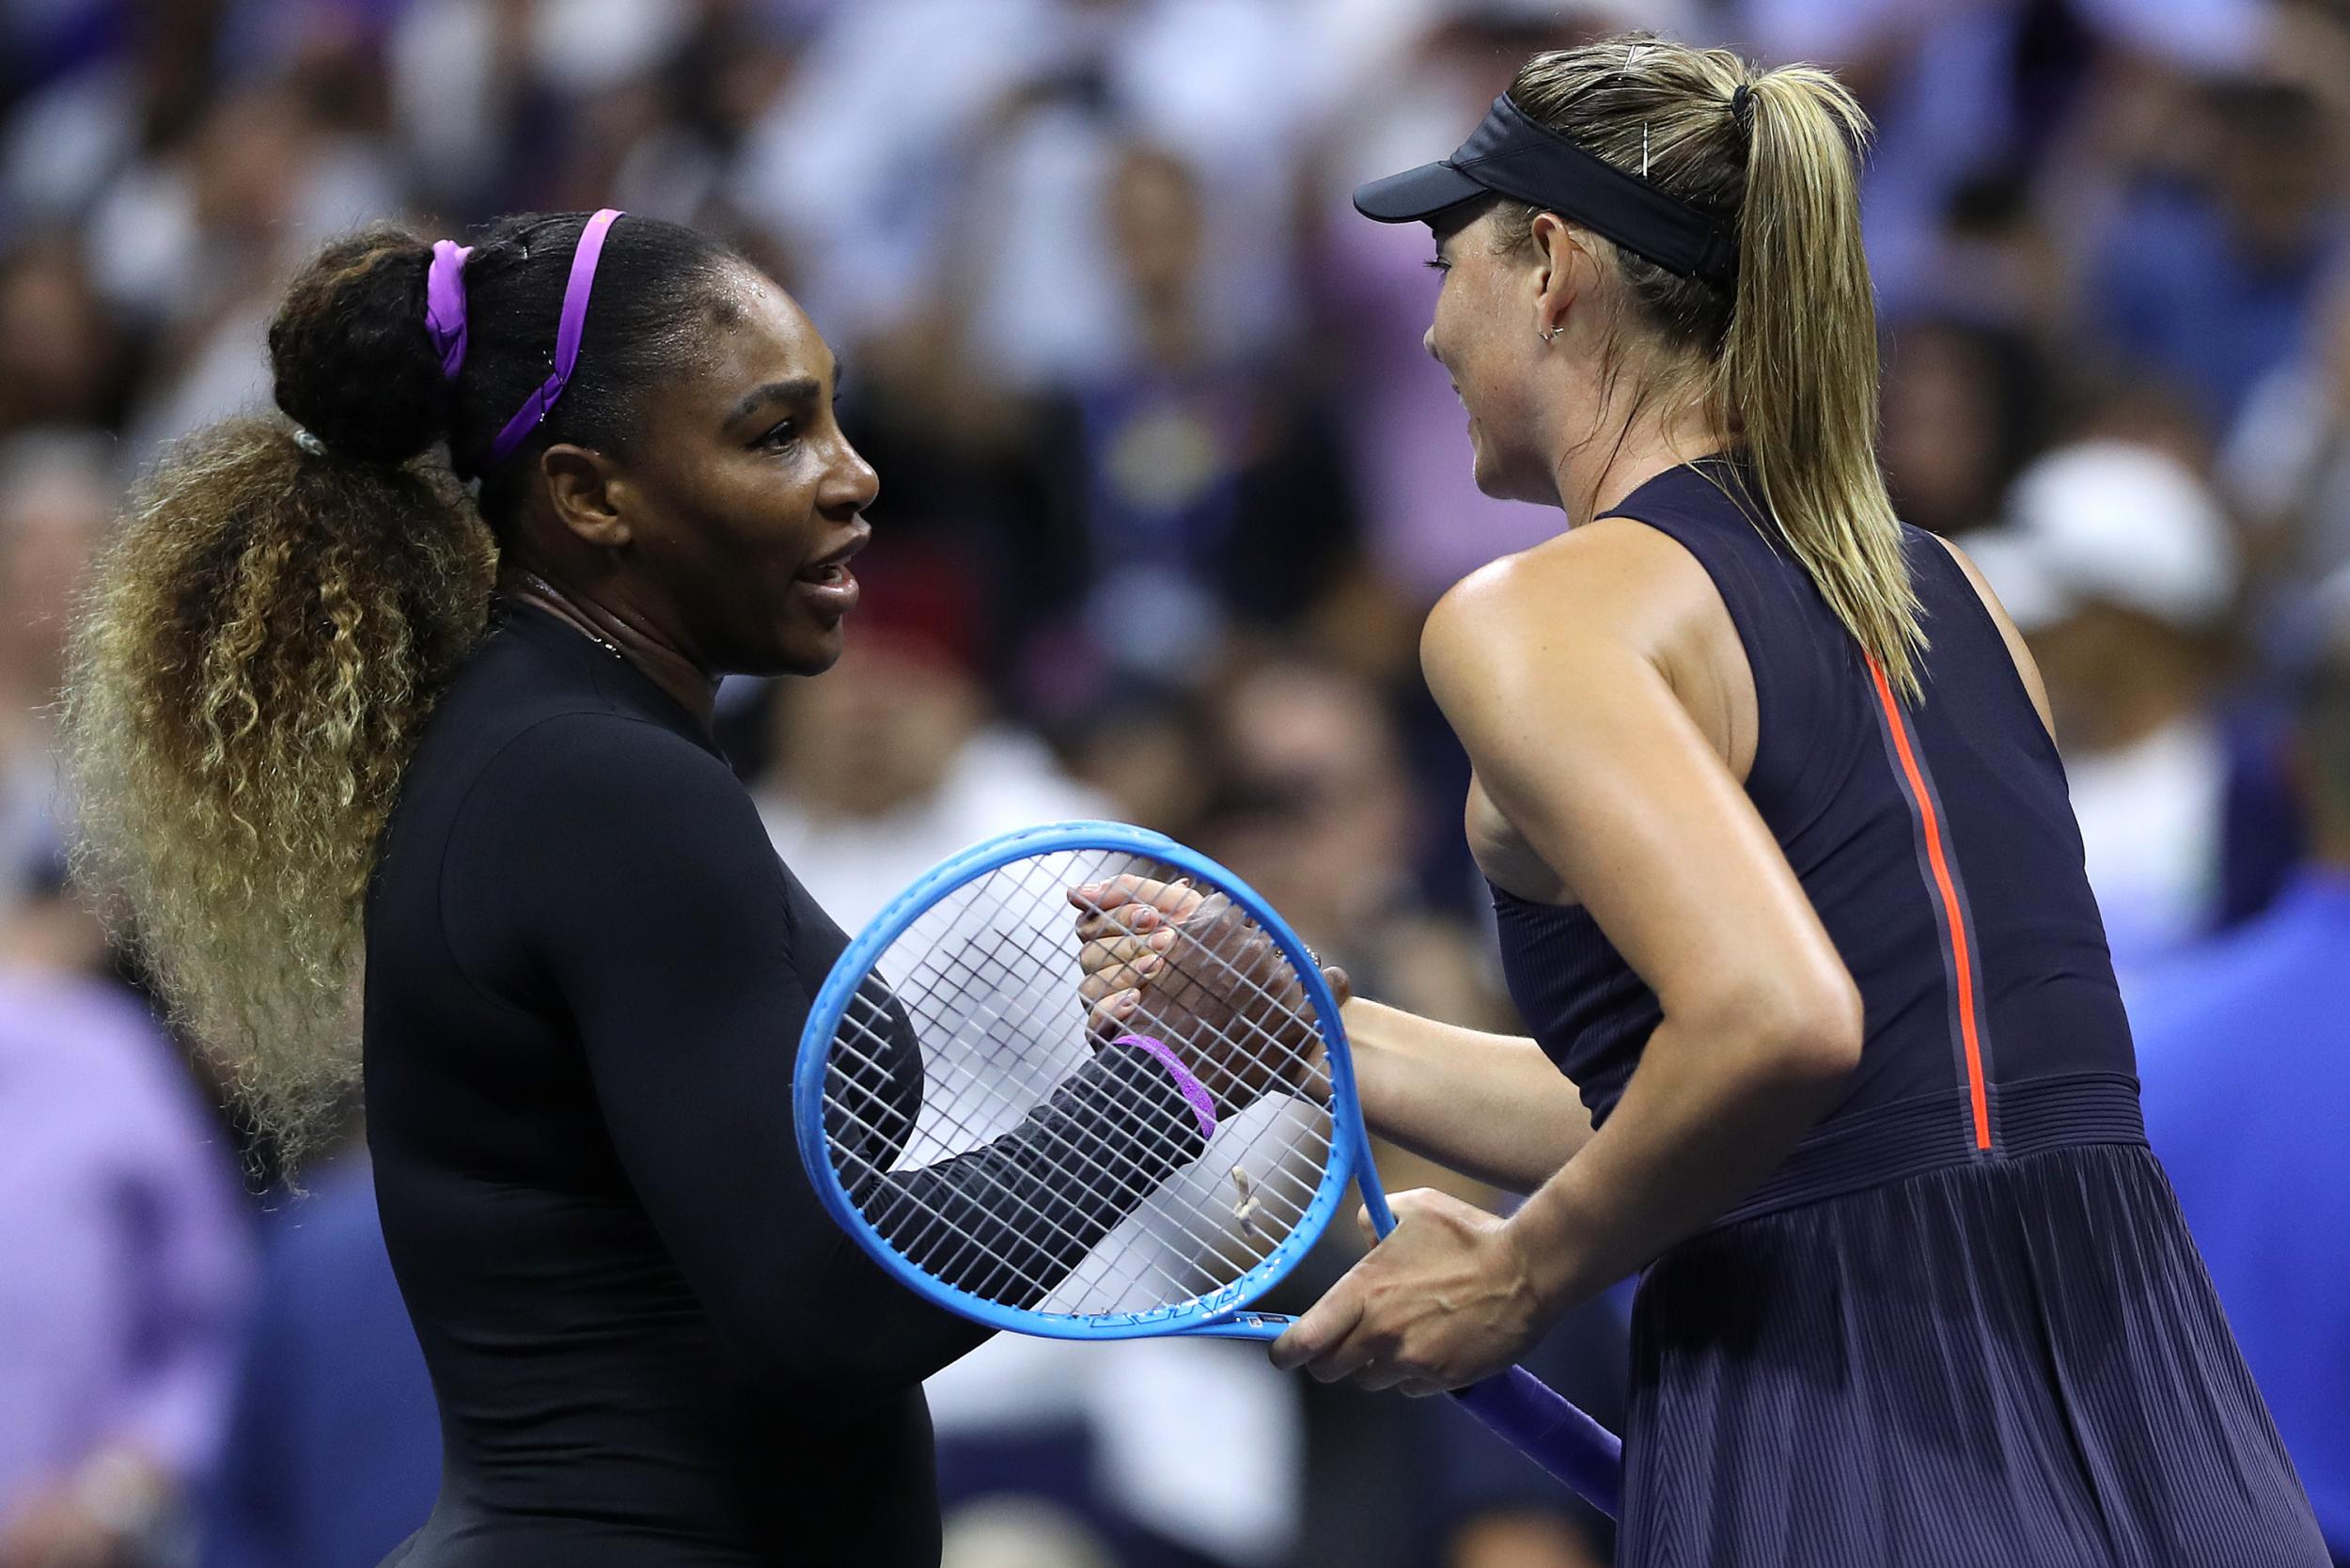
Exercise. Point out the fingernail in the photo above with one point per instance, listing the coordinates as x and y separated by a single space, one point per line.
1149 964
1126 1002
1163 940
1146 918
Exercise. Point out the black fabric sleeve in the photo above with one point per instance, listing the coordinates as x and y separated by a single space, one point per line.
1008 1220
654 908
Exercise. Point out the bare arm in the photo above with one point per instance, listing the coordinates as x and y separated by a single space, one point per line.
1552 673
1551 668
1489 1105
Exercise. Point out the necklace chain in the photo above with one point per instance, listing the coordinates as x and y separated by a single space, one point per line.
577 621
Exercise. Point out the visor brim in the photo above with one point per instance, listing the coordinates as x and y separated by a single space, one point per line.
1416 195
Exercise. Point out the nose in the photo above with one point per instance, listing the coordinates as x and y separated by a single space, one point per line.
1428 341
851 485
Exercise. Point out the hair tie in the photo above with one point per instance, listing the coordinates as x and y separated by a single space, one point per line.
444 304
1742 107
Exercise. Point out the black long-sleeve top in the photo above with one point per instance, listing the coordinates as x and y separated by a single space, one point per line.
586 975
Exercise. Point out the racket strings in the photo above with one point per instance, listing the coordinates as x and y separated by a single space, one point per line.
947 1133
1210 1248
918 1244
1121 1163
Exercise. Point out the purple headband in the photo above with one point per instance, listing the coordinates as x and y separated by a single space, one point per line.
444 319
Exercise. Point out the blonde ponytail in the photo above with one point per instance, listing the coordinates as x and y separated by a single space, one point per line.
1797 376
1792 352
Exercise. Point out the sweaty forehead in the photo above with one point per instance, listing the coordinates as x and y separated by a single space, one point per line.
752 333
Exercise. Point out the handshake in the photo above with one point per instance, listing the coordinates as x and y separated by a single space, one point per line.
1189 969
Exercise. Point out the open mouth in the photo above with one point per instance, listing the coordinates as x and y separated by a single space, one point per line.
832 570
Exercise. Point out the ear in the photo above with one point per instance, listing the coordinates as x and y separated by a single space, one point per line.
588 494
1563 268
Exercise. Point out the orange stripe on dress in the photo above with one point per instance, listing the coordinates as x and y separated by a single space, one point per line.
1962 961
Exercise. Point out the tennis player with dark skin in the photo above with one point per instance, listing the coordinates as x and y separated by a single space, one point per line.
1825 1041
328 704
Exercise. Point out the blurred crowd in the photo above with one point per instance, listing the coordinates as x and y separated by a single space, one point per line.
1167 483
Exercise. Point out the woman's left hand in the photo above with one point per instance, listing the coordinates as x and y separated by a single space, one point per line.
1447 1298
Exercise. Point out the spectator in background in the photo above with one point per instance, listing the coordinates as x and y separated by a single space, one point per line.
1140 748
125 1260
63 360
895 759
1961 410
2215 284
1312 777
1425 523
1207 487
123 1247
1956 90
959 146
2244 1055
332 1450
2118 566
105 83
488 94
193 245
57 499
2287 464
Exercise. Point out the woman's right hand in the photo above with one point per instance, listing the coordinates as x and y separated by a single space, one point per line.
1190 968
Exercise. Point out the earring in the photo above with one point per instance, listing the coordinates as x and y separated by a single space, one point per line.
1547 334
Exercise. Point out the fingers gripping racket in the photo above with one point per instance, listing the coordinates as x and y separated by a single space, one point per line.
1039 1164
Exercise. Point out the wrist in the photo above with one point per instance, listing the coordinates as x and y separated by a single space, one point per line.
1545 1243
1195 1094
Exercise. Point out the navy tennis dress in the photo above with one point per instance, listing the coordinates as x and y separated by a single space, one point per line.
1963 1324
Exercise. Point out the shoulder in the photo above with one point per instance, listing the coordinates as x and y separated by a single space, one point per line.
1608 589
586 752
596 784
2018 652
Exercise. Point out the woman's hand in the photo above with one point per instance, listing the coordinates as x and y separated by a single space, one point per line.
1189 967
1447 1298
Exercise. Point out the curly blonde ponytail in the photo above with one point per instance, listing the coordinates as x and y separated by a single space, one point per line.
258 650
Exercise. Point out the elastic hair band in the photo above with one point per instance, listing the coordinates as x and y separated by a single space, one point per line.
444 304
1195 1092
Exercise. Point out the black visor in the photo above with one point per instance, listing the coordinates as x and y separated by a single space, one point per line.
1508 154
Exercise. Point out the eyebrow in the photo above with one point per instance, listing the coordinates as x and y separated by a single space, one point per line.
799 389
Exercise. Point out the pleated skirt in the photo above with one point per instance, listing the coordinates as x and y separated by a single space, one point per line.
2014 1363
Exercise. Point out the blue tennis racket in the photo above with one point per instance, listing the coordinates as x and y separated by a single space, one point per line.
1032 1163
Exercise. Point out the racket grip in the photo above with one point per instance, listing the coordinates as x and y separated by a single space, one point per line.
1555 1434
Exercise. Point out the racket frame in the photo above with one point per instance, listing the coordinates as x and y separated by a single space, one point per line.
1221 1313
